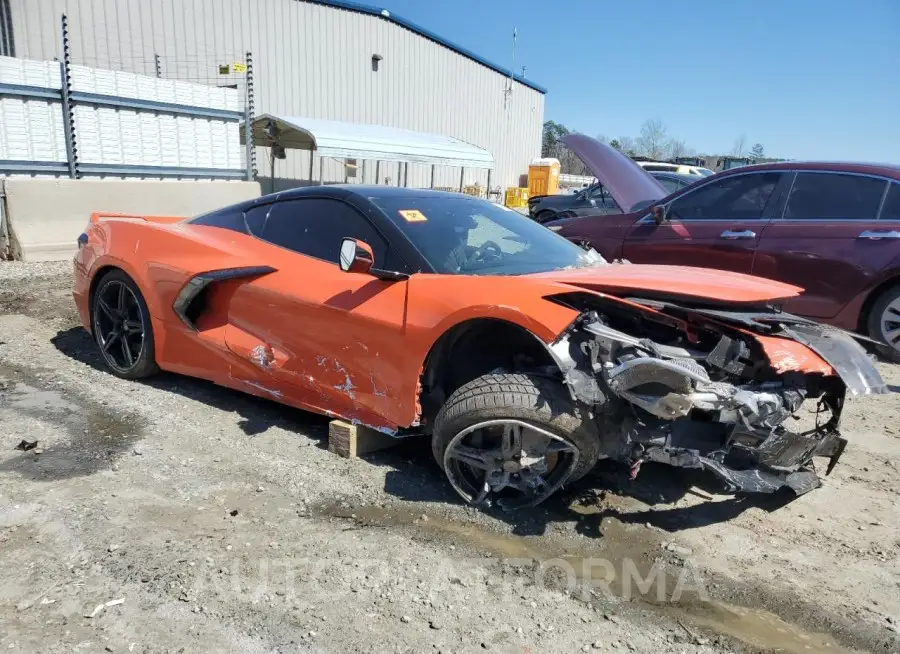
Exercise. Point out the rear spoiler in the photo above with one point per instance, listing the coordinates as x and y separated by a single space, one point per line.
97 216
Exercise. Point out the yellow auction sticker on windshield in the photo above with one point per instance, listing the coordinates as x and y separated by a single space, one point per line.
412 215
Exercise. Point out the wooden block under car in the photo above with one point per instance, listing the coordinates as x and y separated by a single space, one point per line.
351 441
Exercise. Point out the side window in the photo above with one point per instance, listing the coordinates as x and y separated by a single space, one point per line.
316 226
602 198
741 197
826 196
669 184
891 208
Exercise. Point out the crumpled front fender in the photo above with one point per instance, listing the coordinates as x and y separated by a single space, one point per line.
847 358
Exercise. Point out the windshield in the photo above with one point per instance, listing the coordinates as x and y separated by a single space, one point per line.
464 236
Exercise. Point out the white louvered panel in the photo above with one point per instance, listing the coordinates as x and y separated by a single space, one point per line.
165 90
127 86
83 79
146 87
151 145
40 125
33 130
184 93
202 143
57 129
168 130
111 135
130 138
236 152
221 146
14 144
30 73
89 138
187 149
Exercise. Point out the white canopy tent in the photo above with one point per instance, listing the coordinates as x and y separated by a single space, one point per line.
342 140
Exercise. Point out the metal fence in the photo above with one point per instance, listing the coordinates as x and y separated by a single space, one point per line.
75 121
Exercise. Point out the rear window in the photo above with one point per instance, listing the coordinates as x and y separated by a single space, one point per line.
834 196
227 218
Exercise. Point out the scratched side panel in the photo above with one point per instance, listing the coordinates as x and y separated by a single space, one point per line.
336 340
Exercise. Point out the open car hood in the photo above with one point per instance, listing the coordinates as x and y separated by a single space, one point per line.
676 281
628 183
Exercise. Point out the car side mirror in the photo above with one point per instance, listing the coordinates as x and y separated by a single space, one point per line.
659 213
356 256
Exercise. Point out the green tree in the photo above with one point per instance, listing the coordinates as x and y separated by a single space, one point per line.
757 151
615 145
550 144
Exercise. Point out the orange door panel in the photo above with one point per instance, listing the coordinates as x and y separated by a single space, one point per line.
324 338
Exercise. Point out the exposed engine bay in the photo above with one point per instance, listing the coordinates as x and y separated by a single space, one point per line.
712 388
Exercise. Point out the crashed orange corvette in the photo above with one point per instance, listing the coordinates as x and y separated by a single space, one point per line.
524 358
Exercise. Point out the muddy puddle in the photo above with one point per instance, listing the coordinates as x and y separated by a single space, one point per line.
74 437
625 562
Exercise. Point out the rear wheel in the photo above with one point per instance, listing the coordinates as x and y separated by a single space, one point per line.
121 324
514 439
884 323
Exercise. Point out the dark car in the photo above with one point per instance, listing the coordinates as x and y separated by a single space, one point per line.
596 198
831 228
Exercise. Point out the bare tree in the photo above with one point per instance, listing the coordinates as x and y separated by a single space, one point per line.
677 148
627 145
739 149
652 141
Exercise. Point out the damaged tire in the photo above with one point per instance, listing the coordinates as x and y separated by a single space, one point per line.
514 436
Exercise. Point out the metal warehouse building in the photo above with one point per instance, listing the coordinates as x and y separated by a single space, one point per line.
317 59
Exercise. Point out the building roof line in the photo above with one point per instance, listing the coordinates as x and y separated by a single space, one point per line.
387 15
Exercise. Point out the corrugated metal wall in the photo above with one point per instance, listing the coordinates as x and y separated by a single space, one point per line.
310 60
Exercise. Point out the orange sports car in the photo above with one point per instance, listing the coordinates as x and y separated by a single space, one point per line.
523 357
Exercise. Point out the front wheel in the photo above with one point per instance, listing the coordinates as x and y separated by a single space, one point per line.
884 323
515 438
544 217
121 325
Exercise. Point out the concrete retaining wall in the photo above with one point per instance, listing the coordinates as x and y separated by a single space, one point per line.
45 216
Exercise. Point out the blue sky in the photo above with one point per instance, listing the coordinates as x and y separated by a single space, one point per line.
816 79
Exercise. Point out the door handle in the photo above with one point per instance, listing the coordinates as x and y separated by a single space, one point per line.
877 236
732 235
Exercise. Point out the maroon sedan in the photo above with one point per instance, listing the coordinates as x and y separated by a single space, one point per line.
830 228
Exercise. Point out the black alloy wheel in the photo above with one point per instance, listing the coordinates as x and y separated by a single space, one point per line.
121 326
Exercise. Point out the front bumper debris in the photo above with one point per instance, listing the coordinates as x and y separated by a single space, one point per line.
716 396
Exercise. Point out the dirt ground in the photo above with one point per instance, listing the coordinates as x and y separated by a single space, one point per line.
175 516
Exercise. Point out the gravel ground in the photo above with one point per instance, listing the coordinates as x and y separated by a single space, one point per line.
176 516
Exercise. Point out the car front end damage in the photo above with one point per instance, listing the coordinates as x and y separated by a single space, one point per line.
712 388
